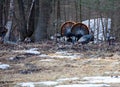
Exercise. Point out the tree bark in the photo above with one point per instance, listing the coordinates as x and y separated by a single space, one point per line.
31 16
43 20
23 23
1 13
116 19
80 10
9 22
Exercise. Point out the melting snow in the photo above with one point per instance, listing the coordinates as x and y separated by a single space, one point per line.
67 79
47 60
44 55
4 66
32 84
115 72
62 54
28 84
46 83
84 85
31 51
49 83
100 79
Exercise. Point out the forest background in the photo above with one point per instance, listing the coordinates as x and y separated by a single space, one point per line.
39 19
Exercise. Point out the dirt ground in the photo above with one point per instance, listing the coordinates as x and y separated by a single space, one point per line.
92 60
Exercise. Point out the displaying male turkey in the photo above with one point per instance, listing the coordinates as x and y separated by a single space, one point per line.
79 29
66 30
86 39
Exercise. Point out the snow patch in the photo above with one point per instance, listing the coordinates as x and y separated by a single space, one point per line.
28 84
32 84
30 51
84 85
44 55
62 54
67 79
46 83
98 81
49 83
11 58
4 66
102 79
47 60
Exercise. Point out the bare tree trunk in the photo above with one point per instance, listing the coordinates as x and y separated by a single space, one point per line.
106 28
23 23
5 11
103 26
116 20
36 18
58 15
76 9
30 23
43 20
2 30
9 22
1 13
80 10
98 27
65 18
117 25
89 14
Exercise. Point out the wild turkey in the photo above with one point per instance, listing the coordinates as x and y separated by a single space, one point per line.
66 30
86 39
79 29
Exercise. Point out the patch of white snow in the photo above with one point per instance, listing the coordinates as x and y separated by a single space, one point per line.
67 79
44 55
47 60
102 79
84 85
31 51
4 66
49 83
27 84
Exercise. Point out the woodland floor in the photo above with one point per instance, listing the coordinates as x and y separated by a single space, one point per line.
91 60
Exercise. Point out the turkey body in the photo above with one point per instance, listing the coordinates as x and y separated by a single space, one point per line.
86 38
79 29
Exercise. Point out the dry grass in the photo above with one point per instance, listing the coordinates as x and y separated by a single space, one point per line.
93 63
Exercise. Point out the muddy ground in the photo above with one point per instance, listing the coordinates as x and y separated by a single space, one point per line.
91 60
